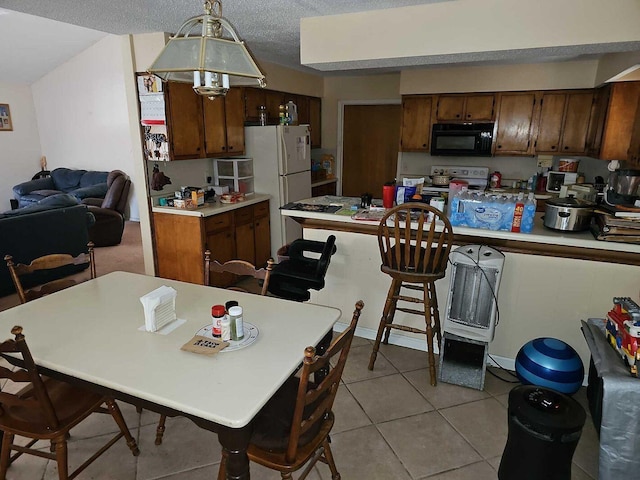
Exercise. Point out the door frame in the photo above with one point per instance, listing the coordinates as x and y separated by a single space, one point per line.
340 145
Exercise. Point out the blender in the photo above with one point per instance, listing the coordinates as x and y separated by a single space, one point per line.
623 187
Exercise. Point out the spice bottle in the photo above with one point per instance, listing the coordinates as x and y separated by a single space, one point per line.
235 313
217 312
232 325
225 328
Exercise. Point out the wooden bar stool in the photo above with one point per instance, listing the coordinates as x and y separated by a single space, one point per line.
414 255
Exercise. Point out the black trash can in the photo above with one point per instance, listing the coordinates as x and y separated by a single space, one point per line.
544 429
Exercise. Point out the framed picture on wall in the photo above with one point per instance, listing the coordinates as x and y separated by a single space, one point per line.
5 117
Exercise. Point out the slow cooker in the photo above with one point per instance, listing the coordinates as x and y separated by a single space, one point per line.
568 214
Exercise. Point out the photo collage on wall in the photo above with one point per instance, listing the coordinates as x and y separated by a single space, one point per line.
5 117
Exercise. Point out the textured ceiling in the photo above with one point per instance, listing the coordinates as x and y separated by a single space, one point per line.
270 28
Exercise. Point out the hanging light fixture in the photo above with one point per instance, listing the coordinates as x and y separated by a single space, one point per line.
209 61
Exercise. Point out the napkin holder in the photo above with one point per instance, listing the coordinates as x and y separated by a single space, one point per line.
159 308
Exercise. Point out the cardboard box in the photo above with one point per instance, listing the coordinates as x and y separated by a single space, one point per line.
197 197
184 203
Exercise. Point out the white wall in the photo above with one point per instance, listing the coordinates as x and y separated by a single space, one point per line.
82 113
20 148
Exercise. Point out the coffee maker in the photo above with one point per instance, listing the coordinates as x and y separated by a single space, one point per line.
622 188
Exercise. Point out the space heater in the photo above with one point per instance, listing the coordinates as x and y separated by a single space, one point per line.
471 314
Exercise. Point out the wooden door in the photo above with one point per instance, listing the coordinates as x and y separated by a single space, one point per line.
215 138
479 108
273 101
262 233
633 155
370 148
222 247
623 108
596 125
450 108
515 121
234 121
315 117
416 123
254 98
184 121
576 122
550 123
178 247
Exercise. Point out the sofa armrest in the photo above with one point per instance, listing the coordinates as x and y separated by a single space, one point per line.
39 184
94 191
93 202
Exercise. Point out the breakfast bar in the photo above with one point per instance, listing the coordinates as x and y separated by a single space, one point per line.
551 280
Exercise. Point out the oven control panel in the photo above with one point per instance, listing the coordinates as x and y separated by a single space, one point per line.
460 172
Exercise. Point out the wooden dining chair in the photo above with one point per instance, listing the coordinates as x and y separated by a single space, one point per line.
292 429
235 267
239 268
39 270
46 409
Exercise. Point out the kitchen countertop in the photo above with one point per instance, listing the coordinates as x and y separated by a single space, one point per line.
541 241
215 208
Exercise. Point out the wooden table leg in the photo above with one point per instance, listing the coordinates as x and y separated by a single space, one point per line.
234 443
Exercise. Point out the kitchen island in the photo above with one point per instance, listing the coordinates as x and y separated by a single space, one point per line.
551 280
230 230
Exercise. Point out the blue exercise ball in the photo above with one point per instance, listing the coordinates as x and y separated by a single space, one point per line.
551 363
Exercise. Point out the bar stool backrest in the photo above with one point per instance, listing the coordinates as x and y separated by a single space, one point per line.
417 247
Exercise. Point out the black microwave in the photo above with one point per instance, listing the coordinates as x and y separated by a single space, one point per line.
462 139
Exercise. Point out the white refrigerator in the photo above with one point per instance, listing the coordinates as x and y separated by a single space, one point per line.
281 168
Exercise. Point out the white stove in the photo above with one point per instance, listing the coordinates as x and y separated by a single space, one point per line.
477 177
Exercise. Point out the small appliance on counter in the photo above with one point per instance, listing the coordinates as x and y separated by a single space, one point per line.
622 188
556 180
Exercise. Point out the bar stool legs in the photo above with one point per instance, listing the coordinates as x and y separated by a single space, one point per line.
430 313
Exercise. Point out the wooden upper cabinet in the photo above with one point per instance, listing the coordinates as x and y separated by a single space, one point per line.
621 119
598 118
273 101
633 155
184 121
315 121
416 123
215 137
253 99
224 124
550 122
234 121
515 123
576 122
564 122
465 108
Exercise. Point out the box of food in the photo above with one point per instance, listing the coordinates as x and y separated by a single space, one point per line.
186 203
197 196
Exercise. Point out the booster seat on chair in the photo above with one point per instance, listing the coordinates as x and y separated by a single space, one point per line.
292 278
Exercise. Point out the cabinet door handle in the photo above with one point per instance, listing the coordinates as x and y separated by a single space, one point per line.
553 147
230 147
499 146
566 148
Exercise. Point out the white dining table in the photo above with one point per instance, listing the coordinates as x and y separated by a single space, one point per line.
90 334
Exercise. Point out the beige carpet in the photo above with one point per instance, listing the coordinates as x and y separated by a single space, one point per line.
126 257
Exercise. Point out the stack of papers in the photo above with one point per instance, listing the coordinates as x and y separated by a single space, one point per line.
159 308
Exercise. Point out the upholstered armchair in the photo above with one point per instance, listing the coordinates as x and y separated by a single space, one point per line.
109 211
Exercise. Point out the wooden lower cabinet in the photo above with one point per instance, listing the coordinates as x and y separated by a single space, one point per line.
181 240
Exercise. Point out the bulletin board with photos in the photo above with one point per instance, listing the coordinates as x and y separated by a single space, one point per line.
5 117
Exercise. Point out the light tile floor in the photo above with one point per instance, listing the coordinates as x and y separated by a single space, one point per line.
390 424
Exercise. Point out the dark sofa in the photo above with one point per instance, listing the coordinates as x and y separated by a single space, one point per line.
79 183
55 225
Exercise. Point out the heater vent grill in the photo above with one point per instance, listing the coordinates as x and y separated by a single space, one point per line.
473 295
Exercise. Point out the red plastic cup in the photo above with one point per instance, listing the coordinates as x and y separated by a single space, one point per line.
387 196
